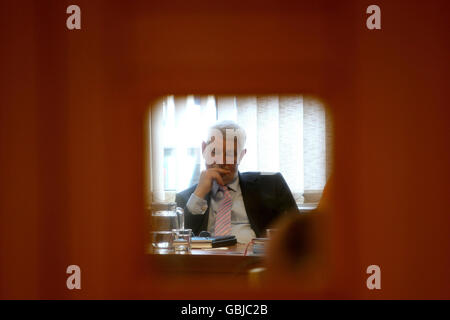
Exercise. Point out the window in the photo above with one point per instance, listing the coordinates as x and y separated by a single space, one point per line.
290 134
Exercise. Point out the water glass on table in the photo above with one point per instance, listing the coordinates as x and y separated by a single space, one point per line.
182 240
162 241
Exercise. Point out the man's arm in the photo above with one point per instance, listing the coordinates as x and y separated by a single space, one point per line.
196 205
194 201
194 209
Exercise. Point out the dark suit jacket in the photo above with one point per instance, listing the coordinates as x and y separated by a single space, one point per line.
266 197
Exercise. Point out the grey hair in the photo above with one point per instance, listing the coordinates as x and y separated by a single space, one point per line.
223 125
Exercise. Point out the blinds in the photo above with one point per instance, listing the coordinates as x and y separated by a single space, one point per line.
285 133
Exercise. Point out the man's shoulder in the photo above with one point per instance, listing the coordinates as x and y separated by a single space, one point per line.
185 194
260 176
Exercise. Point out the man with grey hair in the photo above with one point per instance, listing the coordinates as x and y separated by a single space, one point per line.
227 202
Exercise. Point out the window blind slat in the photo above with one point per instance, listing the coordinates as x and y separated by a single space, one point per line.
247 118
291 141
314 144
268 133
157 150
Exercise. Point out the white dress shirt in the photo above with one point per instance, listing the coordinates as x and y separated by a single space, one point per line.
240 226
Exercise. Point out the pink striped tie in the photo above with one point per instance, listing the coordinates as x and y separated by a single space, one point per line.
223 217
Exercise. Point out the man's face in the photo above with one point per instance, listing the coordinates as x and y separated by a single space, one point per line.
224 162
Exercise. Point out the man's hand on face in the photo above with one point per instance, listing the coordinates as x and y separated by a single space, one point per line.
206 180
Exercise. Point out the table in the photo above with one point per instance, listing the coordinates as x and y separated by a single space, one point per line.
230 261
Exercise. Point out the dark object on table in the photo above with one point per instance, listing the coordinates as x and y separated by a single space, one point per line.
212 242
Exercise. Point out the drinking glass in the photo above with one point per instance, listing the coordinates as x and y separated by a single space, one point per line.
182 240
162 241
